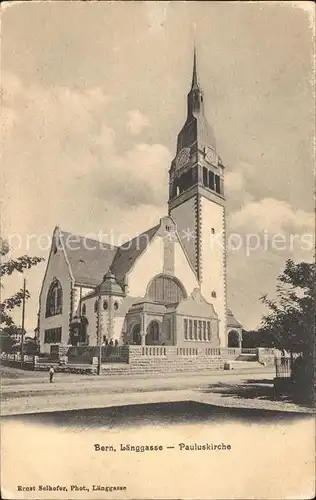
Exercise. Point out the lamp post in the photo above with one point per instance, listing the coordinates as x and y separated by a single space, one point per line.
23 320
99 335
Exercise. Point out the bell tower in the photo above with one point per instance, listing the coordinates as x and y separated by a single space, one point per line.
197 201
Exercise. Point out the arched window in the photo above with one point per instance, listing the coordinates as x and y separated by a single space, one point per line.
211 181
54 302
165 289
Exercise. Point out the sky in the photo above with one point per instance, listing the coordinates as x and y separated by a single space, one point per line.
94 95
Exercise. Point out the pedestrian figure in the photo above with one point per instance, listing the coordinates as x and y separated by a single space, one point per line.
116 343
51 374
111 342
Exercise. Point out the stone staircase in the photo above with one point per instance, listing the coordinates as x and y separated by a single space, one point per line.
247 357
248 365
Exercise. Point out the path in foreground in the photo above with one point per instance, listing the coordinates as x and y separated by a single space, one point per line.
220 389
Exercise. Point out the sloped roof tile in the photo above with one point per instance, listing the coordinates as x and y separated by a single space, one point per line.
89 259
231 320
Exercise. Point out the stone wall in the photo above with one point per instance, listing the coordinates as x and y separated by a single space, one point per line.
174 359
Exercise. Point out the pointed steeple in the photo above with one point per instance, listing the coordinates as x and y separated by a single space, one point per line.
195 81
195 96
196 128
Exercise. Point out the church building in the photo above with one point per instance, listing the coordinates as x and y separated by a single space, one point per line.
167 286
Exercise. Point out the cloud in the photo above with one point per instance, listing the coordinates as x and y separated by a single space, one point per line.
237 184
64 164
271 215
137 177
136 122
66 151
262 235
234 181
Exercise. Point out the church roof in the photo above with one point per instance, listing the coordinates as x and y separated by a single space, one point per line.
109 286
128 253
231 320
89 259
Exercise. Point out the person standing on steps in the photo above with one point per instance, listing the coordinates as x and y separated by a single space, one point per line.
51 374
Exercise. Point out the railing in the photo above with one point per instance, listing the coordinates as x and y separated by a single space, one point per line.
248 351
153 351
17 357
187 351
213 351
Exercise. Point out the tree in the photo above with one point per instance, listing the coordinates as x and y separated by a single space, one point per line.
7 267
257 338
291 319
292 322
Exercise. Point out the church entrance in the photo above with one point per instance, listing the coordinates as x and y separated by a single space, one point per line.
233 339
136 336
152 337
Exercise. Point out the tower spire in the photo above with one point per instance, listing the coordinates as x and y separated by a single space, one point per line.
195 82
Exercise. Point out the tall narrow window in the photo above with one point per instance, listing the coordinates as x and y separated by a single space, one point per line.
190 329
204 330
211 182
185 324
209 333
54 302
200 330
195 330
217 184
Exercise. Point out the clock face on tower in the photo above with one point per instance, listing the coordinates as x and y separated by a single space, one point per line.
182 157
211 156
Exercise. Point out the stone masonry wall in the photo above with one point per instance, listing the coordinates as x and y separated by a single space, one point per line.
173 359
